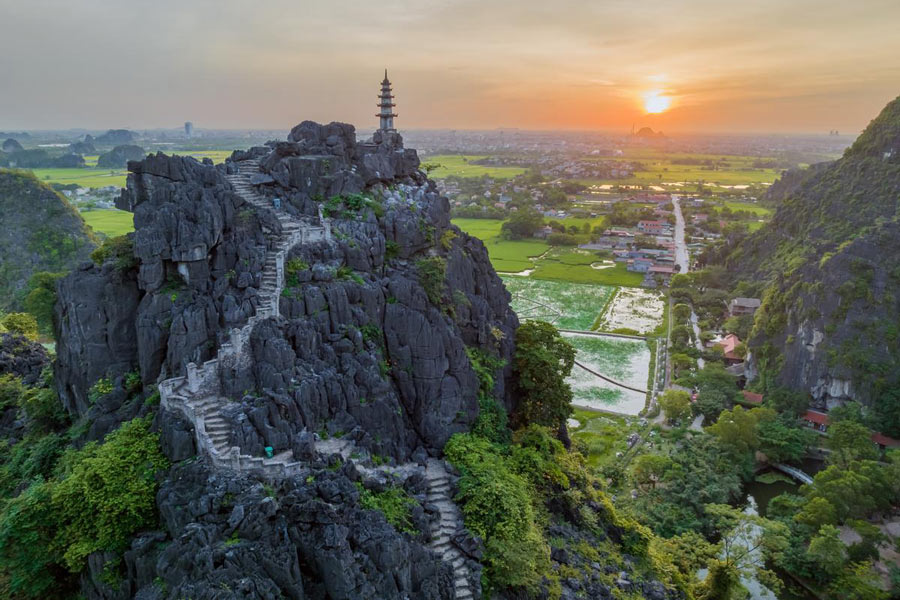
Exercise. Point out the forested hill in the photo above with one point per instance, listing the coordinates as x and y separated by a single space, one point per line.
41 232
829 263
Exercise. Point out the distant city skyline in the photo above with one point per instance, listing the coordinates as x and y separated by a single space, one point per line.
702 66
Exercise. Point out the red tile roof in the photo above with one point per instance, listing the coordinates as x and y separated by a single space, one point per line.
883 440
729 343
817 417
752 397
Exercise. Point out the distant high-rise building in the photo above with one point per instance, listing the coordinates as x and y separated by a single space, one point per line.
188 129
386 104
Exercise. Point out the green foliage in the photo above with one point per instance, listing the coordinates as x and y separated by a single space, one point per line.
100 388
522 224
118 250
676 404
394 503
391 250
496 505
27 556
492 419
21 323
432 272
737 429
346 272
41 298
849 441
783 439
79 502
292 268
543 361
447 238
107 492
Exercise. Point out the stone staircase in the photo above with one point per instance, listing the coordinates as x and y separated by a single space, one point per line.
198 394
441 536
199 397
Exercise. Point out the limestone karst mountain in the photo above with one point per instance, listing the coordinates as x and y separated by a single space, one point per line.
41 231
829 266
307 331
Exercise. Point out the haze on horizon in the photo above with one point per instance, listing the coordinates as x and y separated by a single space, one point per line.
765 66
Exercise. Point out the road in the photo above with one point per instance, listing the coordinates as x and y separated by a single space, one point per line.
682 259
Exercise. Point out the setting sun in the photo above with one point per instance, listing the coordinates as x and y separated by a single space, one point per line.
656 102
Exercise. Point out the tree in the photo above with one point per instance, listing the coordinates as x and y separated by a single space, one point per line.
711 403
676 404
827 550
21 323
682 362
737 429
648 469
747 542
681 336
816 513
849 441
857 582
522 224
543 360
41 298
783 440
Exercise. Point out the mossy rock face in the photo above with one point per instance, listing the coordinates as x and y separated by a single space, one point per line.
830 262
41 231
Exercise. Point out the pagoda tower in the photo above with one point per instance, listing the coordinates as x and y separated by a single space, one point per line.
386 105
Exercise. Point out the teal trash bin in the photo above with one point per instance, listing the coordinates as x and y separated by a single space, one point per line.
270 452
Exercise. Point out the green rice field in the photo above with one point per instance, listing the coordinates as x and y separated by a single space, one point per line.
566 305
602 434
87 177
626 361
506 255
459 166
111 223
661 167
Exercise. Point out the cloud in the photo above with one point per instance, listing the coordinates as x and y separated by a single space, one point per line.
455 63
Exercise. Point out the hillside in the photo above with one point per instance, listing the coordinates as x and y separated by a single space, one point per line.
829 262
293 381
41 232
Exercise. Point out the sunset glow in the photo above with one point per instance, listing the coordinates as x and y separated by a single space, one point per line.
655 102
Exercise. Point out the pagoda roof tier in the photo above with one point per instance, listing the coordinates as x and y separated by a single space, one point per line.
387 115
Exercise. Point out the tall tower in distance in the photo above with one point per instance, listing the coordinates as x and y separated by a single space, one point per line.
188 129
386 104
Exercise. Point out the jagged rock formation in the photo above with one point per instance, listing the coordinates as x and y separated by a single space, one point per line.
831 259
21 357
41 231
266 337
82 148
11 145
114 137
119 156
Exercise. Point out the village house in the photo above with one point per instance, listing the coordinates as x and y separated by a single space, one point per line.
653 227
743 306
729 345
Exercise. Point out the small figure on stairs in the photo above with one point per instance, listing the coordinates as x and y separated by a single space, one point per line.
276 202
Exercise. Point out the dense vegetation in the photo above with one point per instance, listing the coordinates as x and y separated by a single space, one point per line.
41 231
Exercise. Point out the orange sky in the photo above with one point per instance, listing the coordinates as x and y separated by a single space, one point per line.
766 65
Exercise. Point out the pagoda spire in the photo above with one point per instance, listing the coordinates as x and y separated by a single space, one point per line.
386 105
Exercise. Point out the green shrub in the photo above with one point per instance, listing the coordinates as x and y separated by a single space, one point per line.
21 323
100 388
394 503
119 250
107 492
432 272
391 250
496 505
